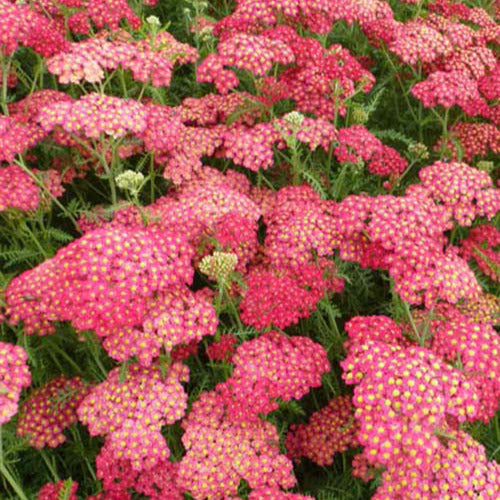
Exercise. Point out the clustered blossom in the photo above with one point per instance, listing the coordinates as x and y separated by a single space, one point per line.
482 245
416 41
274 366
17 136
466 191
476 139
95 114
119 477
476 347
14 376
330 430
131 410
402 397
221 451
275 494
21 25
176 316
18 189
460 469
50 410
357 143
147 59
299 225
406 236
281 296
448 89
66 488
101 281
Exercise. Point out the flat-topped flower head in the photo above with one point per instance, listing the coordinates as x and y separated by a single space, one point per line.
448 89
14 376
119 477
275 366
50 410
221 451
95 114
466 191
16 136
176 316
102 280
130 411
280 296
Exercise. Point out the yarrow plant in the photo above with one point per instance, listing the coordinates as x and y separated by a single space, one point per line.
249 250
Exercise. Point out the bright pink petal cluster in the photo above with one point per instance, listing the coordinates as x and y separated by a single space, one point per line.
176 316
274 366
14 376
131 409
221 451
50 410
95 114
466 191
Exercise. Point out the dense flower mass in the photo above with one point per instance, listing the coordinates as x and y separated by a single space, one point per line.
274 366
95 114
14 376
51 409
93 281
250 249
131 410
466 191
221 451
177 316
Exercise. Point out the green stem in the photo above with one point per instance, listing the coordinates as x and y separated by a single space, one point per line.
50 466
44 188
4 471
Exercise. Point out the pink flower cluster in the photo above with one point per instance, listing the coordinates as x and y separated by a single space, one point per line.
17 136
14 376
466 191
131 410
50 410
18 189
119 477
406 236
476 139
330 430
147 59
448 89
95 114
101 281
176 316
273 366
299 225
357 143
281 296
66 489
220 451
